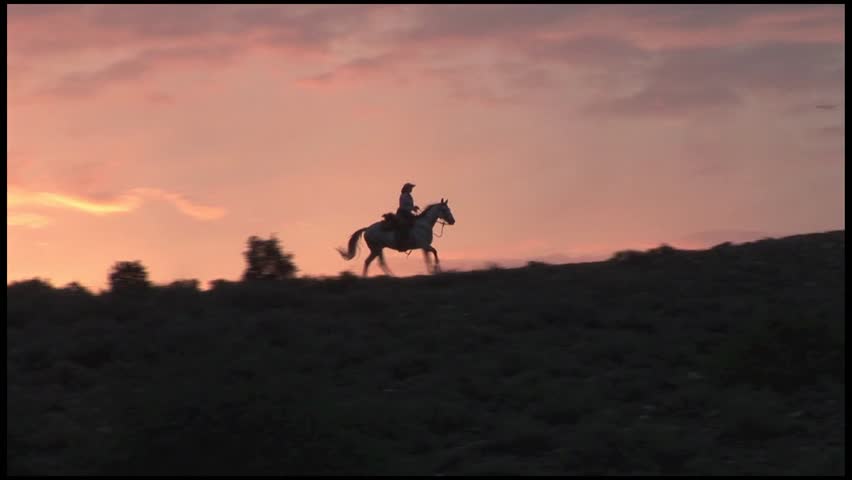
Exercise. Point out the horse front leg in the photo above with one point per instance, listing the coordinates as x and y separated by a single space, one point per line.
434 252
427 260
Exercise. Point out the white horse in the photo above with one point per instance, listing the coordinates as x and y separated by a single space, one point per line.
379 236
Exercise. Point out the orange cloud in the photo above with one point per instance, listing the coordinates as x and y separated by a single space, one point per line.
186 207
361 69
17 197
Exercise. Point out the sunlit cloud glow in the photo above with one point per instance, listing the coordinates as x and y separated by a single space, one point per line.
21 198
123 204
200 212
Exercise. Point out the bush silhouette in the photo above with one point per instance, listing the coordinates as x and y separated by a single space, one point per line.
33 285
191 285
266 261
635 256
76 288
626 255
128 277
218 284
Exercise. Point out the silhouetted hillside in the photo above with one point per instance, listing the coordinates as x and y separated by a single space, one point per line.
723 361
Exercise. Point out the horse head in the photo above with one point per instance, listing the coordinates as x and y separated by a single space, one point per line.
445 213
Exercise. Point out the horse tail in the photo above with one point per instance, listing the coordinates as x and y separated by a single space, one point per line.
353 245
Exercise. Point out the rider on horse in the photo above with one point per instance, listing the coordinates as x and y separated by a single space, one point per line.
386 232
405 212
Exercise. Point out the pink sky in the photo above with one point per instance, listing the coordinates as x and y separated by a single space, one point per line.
169 134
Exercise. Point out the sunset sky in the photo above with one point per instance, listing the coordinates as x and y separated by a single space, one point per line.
169 134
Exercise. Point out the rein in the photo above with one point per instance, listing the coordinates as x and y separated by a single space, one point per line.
442 228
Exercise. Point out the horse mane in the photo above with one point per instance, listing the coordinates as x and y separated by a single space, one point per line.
426 210
389 216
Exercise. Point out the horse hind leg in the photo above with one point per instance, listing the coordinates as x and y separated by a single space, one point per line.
368 261
384 265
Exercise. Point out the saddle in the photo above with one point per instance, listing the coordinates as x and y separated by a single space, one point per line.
389 221
393 222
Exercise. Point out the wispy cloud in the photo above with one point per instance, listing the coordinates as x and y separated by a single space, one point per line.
148 39
148 62
682 59
20 198
23 198
358 70
793 47
696 79
194 210
673 100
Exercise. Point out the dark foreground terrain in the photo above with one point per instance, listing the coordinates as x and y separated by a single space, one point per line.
725 361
